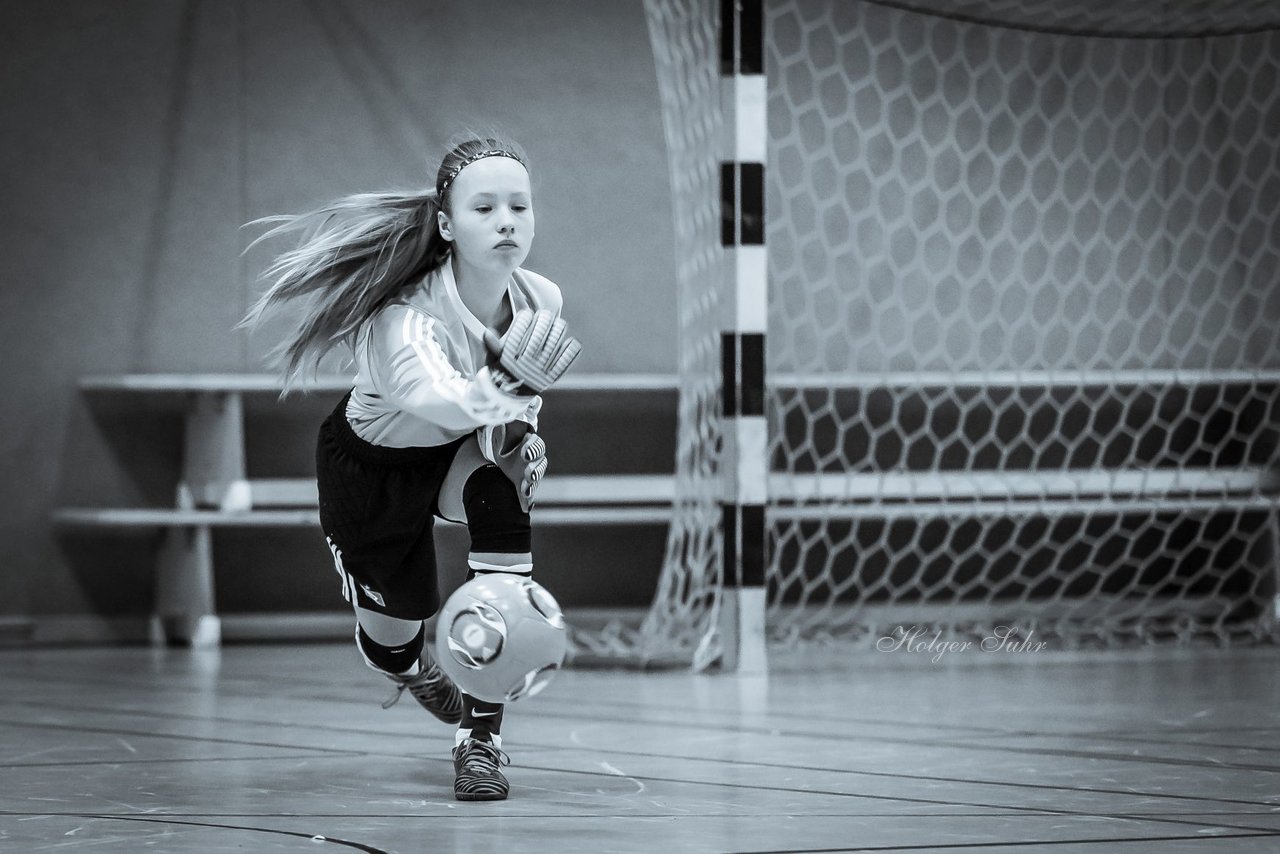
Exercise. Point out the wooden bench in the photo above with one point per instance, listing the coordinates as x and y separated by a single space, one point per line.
215 491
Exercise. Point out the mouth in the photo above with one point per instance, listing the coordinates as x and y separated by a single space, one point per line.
507 244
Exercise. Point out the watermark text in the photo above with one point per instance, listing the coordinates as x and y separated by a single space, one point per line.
918 640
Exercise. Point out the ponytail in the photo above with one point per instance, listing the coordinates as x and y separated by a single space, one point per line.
361 251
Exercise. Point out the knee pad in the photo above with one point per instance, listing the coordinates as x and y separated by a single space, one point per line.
387 659
494 517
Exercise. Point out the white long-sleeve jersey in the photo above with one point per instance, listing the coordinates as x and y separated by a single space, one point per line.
421 378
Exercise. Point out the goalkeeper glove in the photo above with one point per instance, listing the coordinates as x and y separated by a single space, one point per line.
535 352
519 453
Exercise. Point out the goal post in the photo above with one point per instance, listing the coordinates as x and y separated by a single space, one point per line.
1022 326
744 328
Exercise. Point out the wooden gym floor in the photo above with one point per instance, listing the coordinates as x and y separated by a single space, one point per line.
285 748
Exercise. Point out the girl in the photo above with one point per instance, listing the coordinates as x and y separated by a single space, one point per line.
442 417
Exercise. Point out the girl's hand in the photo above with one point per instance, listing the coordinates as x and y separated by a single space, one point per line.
536 351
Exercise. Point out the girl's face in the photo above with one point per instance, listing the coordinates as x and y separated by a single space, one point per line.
490 220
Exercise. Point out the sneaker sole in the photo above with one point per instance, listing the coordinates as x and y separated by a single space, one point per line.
480 796
481 790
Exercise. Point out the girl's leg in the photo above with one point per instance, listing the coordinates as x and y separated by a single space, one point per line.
377 519
477 492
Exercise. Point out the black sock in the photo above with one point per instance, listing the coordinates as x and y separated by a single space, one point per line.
391 659
481 717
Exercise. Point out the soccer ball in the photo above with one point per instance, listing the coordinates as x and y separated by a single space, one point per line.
501 637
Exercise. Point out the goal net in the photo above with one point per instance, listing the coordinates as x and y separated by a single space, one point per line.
1023 350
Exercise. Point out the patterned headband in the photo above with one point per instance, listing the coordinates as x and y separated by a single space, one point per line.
467 161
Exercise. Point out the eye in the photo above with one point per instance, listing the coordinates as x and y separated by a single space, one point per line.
519 208
483 208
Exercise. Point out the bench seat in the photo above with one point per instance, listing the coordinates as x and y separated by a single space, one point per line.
214 491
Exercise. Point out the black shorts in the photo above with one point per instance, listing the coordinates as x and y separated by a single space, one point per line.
377 510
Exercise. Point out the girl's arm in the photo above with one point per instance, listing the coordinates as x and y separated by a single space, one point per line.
412 370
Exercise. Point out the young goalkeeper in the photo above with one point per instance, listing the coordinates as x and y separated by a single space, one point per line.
443 415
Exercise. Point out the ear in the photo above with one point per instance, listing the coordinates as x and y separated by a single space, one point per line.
446 227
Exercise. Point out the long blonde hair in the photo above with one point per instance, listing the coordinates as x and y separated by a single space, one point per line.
359 253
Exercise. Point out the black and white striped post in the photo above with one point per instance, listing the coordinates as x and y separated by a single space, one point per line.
745 461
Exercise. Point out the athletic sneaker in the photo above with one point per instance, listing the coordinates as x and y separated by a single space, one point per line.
476 765
434 691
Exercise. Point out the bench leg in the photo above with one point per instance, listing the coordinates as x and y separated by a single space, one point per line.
213 467
184 612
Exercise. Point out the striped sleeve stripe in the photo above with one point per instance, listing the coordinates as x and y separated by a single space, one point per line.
417 334
445 378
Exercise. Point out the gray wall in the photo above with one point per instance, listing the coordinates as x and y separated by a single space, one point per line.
138 136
